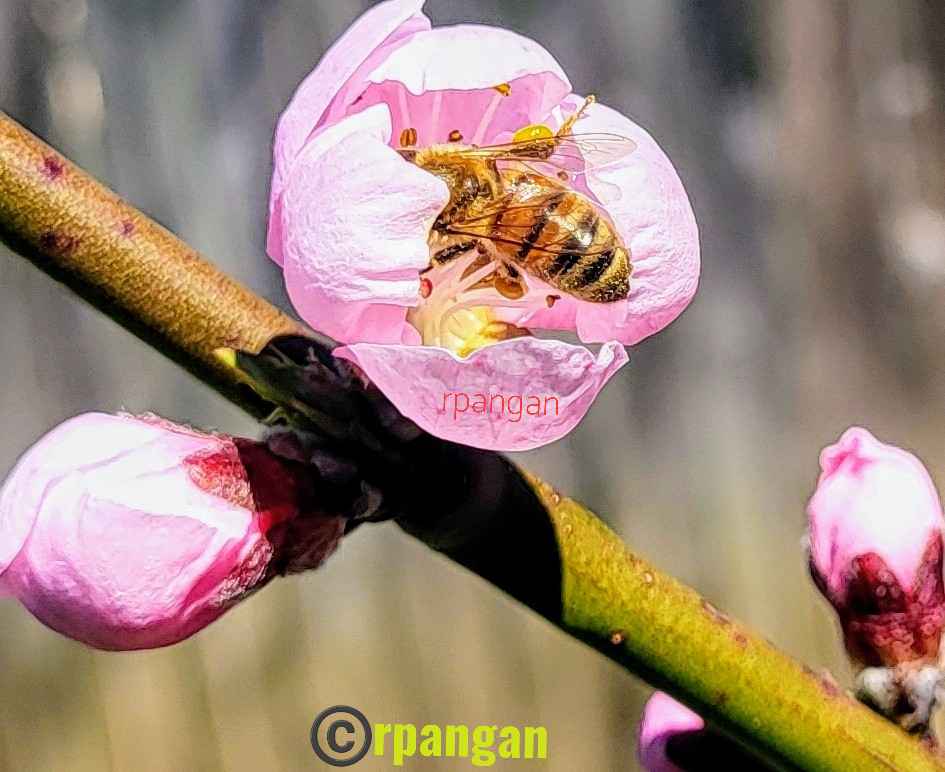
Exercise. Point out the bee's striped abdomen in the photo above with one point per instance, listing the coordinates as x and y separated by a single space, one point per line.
572 247
534 235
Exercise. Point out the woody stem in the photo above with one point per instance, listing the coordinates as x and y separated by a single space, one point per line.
504 524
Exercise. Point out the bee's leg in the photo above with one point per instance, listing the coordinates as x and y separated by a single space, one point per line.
509 282
451 252
544 146
569 122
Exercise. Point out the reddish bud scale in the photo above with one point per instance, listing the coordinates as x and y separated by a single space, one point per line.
219 472
887 624
876 543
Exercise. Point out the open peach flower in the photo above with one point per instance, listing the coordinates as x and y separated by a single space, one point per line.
351 218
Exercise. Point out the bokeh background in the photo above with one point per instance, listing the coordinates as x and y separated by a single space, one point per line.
811 138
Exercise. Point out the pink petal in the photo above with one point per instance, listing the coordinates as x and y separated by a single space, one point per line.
871 498
125 549
355 224
663 719
467 57
56 454
444 80
365 42
646 200
428 386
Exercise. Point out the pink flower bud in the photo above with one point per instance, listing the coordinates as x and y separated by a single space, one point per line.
876 550
664 720
672 738
133 532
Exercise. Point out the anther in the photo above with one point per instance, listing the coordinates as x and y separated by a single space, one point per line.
426 287
550 300
408 137
504 89
455 136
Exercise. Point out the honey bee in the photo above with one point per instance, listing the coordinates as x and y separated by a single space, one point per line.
512 204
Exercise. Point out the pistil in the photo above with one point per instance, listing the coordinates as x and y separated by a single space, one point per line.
459 305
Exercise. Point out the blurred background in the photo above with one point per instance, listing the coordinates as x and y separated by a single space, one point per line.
811 139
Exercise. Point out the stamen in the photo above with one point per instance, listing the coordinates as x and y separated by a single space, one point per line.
487 119
479 303
472 279
460 305
408 137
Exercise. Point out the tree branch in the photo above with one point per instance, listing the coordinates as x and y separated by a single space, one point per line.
126 264
517 532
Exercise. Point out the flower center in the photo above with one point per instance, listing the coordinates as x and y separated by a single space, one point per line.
460 307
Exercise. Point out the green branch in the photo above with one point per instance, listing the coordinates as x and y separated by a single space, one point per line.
512 529
126 264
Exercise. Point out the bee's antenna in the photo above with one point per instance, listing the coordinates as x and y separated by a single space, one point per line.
570 120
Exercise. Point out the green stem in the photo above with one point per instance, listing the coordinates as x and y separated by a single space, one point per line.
517 532
127 265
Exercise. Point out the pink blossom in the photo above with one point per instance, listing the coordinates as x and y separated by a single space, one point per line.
350 221
663 719
876 549
131 532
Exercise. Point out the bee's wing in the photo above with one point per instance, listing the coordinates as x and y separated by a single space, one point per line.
572 153
485 225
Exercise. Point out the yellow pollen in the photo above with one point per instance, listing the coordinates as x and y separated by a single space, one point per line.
476 328
533 132
457 308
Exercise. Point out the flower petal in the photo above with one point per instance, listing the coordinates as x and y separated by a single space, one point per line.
529 392
57 454
124 550
645 198
466 57
355 223
663 718
366 41
870 498
444 80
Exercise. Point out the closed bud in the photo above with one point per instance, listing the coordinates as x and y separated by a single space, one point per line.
876 554
129 532
671 738
665 722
